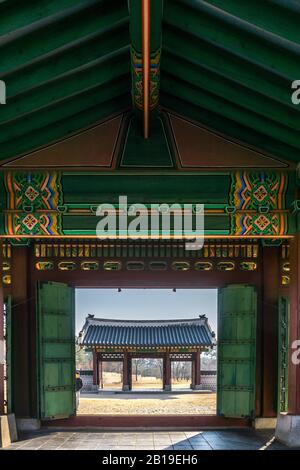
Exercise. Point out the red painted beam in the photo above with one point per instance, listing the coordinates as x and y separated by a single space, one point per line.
146 23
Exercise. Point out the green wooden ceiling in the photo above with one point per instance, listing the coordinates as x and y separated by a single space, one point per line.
66 66
228 65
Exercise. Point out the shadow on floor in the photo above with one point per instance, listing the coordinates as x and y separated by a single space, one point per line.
89 439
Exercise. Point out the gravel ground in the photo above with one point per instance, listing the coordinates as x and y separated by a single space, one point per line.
160 403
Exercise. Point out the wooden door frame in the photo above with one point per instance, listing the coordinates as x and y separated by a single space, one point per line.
267 261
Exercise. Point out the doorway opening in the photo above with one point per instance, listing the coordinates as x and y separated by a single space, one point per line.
110 376
182 375
143 386
169 337
147 374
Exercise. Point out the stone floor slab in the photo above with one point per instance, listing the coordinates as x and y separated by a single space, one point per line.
173 440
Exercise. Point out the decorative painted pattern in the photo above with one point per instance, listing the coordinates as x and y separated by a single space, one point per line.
137 78
40 190
35 206
250 190
32 200
255 196
259 224
33 223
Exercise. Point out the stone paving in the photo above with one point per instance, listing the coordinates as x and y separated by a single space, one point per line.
231 439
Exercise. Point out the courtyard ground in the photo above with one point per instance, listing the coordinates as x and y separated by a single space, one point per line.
162 403
242 439
113 381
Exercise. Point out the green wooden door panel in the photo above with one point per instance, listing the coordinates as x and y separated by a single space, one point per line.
56 337
236 351
283 348
9 365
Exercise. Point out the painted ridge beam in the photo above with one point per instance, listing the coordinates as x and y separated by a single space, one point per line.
146 24
146 33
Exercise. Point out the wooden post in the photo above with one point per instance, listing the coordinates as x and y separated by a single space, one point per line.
23 330
126 370
288 424
129 372
2 358
197 373
95 368
100 373
294 292
269 330
193 373
167 372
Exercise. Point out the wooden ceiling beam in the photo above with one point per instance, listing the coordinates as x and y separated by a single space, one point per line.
146 24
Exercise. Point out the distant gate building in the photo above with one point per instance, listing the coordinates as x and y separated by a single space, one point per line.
169 340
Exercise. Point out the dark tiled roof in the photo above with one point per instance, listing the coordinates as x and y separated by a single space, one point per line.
102 332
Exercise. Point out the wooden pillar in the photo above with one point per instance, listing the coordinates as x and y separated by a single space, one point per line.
129 363
126 371
269 331
197 373
2 358
294 343
288 424
193 373
24 333
167 372
95 368
100 372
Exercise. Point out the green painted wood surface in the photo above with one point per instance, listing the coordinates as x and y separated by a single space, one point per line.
140 152
19 14
223 64
270 15
96 189
56 339
232 69
237 307
86 225
283 357
80 81
66 66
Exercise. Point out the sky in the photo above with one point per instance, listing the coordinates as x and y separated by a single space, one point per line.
146 304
